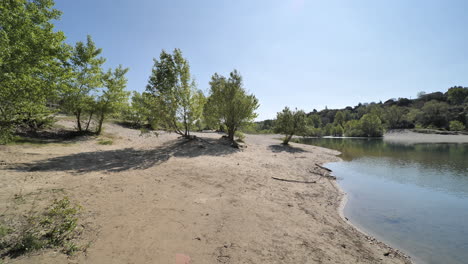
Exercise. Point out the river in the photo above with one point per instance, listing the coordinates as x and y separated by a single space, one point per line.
413 197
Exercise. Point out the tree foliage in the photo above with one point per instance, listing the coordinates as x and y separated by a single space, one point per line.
371 125
290 123
31 62
229 104
142 110
456 126
179 102
114 96
85 78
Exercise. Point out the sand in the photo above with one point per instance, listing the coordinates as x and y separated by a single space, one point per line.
154 199
410 137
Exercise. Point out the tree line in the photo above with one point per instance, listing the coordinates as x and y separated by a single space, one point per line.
439 111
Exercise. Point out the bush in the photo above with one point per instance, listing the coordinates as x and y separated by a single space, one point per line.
456 126
55 228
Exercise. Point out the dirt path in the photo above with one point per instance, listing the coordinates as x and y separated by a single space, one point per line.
147 199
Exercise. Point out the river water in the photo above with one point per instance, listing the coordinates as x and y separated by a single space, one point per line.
413 197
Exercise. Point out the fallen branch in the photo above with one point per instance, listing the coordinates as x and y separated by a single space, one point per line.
286 180
331 177
323 168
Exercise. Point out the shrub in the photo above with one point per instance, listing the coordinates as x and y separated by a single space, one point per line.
456 126
53 229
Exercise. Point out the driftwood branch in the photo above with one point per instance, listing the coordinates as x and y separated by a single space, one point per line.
323 168
286 180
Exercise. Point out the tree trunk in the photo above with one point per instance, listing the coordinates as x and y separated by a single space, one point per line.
231 132
101 120
89 121
78 120
287 139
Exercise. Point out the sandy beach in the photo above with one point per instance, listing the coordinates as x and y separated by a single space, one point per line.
410 137
149 199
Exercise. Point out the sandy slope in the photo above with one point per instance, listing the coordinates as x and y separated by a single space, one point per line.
147 199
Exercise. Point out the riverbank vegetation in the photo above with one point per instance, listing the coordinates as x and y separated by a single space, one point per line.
434 112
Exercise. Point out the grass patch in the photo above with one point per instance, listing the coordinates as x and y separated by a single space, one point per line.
104 141
56 227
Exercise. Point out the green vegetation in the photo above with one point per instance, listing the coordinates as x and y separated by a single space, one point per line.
104 141
290 123
176 97
434 112
85 76
55 228
32 62
456 126
229 104
41 75
114 97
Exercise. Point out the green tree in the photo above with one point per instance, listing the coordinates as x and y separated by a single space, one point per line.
457 95
393 116
434 113
114 96
456 126
352 128
339 118
86 78
229 104
179 102
314 121
141 111
290 123
371 125
337 131
32 56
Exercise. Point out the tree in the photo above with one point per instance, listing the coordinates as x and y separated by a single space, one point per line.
290 123
315 121
86 78
352 128
179 103
32 55
114 96
229 104
456 126
141 111
339 118
434 113
393 116
371 125
457 95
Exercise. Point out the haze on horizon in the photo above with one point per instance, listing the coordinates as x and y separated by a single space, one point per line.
297 53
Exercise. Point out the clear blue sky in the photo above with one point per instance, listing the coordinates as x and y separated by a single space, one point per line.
297 53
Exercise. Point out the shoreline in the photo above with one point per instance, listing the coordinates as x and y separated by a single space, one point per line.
343 202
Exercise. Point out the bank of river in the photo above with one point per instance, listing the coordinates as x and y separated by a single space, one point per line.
412 196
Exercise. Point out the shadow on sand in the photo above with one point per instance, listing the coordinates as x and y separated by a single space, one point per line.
130 158
285 148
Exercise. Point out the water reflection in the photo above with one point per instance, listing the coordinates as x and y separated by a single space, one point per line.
414 197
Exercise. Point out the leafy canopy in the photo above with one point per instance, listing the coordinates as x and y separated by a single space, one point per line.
290 123
179 102
229 104
31 60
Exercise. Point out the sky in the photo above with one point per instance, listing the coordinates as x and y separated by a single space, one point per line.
297 53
